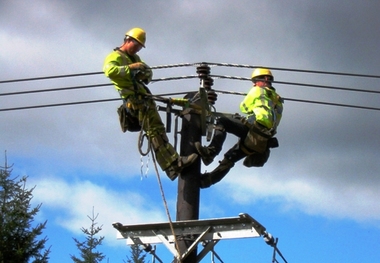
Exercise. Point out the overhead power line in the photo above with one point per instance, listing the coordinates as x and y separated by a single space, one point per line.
50 77
333 104
308 101
298 70
301 84
54 89
169 94
197 64
188 77
58 104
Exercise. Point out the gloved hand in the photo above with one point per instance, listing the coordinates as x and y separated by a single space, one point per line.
137 66
145 75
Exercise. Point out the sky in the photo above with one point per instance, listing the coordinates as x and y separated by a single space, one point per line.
318 192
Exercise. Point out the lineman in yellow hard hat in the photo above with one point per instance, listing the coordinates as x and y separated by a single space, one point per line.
129 74
263 108
137 34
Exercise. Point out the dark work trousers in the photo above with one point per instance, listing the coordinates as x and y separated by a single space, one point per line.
234 126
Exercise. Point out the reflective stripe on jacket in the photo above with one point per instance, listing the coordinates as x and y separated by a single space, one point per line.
265 104
116 69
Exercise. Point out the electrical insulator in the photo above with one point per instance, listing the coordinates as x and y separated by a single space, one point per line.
203 71
146 247
269 239
208 82
211 96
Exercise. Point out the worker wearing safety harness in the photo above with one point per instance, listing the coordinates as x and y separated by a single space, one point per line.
263 108
129 74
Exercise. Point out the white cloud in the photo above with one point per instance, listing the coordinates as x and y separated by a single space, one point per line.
310 196
72 203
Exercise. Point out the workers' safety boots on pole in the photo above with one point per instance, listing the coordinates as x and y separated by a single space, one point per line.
177 166
207 153
208 179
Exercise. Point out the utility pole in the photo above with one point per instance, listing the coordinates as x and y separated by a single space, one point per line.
188 197
188 183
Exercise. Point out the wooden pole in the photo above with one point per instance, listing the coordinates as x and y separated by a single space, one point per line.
188 183
188 197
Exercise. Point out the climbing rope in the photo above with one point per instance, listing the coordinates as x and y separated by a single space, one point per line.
140 142
142 136
166 205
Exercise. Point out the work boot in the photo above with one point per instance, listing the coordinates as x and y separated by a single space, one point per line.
207 153
257 159
177 166
208 179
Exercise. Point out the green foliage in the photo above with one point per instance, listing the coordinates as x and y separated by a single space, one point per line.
138 255
88 247
18 238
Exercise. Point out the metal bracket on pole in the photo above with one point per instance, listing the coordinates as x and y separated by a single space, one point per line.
209 246
195 243
205 109
168 245
209 231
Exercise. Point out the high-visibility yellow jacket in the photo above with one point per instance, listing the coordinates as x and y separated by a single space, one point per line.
116 68
265 104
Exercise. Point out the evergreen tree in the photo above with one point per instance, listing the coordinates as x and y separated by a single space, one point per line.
18 238
137 255
87 248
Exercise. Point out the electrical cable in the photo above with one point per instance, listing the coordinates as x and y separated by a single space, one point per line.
54 89
51 77
206 63
219 91
179 93
188 77
58 104
88 73
300 84
297 70
306 101
334 104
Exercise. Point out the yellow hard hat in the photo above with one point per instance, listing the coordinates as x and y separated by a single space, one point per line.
260 72
137 34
